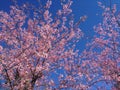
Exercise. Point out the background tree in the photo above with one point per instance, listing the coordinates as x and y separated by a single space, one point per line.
34 44
102 56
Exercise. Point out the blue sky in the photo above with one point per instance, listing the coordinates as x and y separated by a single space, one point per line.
80 8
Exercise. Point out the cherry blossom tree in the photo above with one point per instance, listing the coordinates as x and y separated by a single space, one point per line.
35 44
102 56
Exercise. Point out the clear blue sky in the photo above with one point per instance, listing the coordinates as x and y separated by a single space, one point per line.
80 8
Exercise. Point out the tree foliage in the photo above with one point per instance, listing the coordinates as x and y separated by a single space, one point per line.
38 50
34 44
